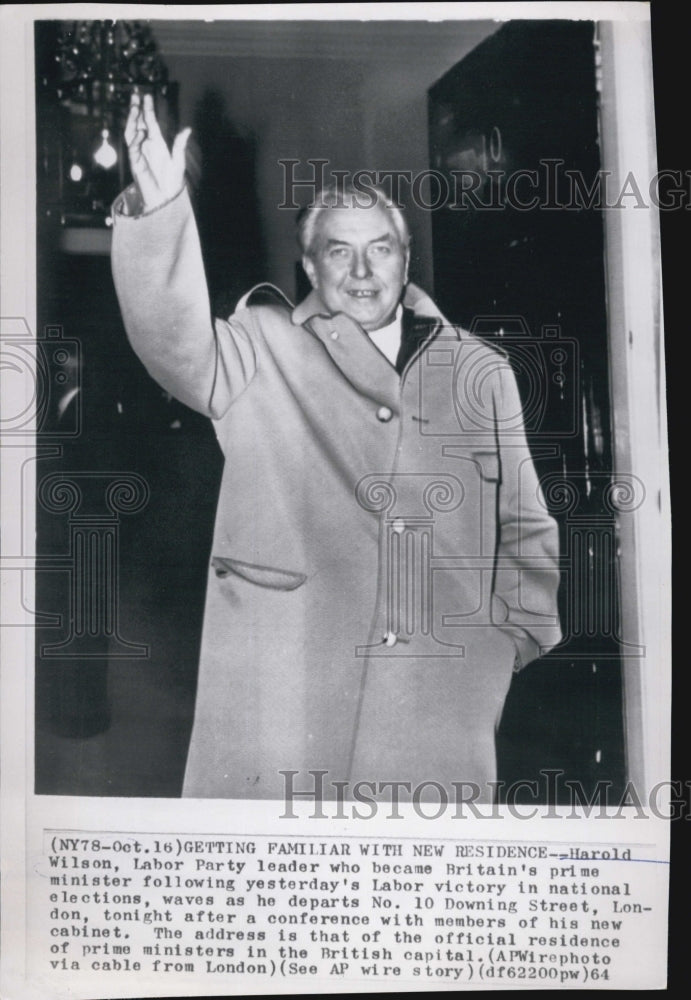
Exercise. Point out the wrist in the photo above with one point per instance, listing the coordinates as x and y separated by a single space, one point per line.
131 203
150 205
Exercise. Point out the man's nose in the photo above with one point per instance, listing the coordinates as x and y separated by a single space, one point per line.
360 265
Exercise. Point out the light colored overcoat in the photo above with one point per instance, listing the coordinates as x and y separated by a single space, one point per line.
382 556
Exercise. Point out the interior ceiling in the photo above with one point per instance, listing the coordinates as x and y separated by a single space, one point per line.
368 41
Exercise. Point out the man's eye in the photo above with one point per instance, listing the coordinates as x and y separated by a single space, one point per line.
338 252
380 249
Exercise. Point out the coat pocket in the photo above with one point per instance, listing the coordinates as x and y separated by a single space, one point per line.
262 576
487 461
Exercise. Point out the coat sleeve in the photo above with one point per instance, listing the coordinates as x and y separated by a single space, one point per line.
527 567
161 286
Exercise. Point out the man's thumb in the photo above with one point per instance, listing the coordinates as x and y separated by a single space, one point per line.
179 145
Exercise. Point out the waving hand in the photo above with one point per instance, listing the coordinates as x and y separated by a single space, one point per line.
159 172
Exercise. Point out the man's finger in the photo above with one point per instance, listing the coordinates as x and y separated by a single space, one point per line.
150 119
135 149
131 124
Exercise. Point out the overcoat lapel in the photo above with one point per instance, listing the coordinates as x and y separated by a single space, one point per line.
360 361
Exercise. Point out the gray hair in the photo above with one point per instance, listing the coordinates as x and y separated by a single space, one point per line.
347 196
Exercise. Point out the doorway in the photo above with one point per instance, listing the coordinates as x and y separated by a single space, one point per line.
519 259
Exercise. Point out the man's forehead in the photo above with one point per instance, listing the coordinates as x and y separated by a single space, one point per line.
355 223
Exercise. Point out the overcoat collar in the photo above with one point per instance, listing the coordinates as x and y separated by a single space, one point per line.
361 362
414 298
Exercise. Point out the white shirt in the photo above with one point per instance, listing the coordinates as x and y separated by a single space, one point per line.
388 338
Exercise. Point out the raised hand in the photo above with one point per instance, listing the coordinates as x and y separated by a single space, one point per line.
158 172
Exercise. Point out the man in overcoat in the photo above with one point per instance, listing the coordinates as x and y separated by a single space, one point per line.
383 559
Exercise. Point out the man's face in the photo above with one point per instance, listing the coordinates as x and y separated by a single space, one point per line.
358 264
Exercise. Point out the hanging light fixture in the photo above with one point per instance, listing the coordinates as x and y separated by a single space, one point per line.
105 155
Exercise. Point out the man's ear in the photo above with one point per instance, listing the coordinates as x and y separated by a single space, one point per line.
310 270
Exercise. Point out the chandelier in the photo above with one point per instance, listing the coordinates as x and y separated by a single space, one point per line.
100 63
89 71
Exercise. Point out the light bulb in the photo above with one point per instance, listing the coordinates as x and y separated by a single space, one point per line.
105 155
76 172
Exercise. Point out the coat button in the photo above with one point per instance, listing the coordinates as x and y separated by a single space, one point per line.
334 334
390 639
398 525
384 414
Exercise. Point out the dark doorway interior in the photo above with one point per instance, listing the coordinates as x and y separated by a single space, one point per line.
521 261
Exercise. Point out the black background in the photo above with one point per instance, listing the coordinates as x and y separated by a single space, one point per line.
672 147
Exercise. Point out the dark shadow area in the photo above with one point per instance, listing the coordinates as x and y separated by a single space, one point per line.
226 205
146 471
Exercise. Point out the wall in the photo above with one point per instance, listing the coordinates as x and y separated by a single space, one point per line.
353 94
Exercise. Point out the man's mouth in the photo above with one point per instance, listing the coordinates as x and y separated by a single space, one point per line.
362 293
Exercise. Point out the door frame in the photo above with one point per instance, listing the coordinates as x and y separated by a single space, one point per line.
637 386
